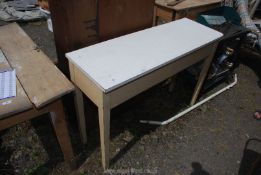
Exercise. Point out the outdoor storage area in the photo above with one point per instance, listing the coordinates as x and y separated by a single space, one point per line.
130 87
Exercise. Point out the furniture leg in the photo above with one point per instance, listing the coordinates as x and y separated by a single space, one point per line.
202 75
61 130
179 15
155 17
79 107
165 14
104 122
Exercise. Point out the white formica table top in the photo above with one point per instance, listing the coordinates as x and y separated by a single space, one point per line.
116 62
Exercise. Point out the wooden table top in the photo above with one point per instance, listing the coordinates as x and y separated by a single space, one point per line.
187 4
116 62
16 104
42 81
39 81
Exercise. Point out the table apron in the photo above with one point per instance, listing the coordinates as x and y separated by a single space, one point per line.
86 85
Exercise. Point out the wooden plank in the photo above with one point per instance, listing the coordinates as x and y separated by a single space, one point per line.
193 13
116 62
42 81
20 117
4 65
119 17
187 4
16 104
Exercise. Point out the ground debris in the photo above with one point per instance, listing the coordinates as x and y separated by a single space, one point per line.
28 153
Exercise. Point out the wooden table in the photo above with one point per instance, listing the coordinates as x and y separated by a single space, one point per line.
40 85
114 71
187 8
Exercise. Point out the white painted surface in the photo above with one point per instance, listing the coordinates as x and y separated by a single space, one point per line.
116 62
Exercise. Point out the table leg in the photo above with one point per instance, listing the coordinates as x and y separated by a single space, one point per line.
79 107
180 14
155 16
163 13
61 130
104 122
203 75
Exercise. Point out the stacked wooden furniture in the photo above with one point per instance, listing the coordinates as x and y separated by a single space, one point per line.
82 23
114 71
186 8
40 85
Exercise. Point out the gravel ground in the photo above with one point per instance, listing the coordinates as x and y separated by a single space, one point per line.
208 140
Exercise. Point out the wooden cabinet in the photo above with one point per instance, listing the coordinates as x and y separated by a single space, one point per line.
81 23
119 17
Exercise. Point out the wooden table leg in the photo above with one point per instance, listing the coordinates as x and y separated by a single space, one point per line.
180 14
79 107
155 16
203 75
104 122
61 130
163 13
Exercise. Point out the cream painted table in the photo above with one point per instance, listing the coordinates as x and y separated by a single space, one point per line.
114 71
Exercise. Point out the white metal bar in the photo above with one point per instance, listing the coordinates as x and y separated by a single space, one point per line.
192 107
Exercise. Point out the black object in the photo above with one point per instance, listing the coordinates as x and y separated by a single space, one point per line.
225 59
251 160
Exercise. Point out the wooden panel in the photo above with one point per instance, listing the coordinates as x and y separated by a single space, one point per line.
193 13
86 85
116 62
187 4
41 79
4 66
119 17
16 104
74 25
165 13
20 117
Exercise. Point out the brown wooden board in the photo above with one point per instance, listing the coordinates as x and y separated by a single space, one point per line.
75 23
10 106
195 3
74 26
119 17
42 81
187 4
